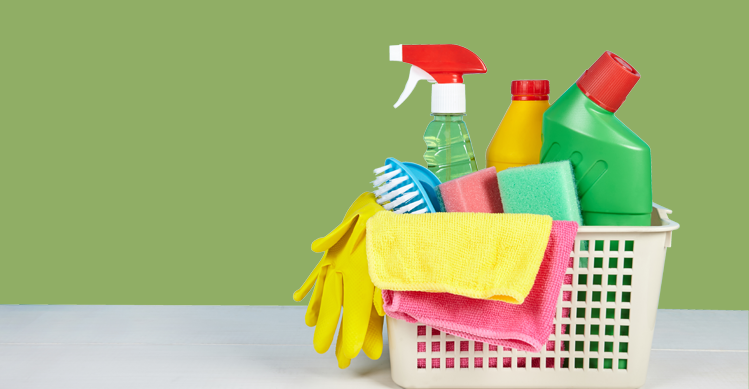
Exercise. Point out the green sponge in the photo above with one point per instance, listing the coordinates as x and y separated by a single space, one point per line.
545 189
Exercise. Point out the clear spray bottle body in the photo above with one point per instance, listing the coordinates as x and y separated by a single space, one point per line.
449 152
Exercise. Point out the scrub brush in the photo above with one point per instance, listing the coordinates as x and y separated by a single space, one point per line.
405 187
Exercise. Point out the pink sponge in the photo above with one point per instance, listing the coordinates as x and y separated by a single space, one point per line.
475 192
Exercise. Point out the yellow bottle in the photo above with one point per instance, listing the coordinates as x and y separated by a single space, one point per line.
518 139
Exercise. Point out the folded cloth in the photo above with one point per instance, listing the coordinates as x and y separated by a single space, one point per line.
524 327
478 255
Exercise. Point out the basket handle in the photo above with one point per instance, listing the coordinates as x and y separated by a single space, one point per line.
663 213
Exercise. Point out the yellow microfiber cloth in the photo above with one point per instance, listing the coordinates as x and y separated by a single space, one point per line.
479 255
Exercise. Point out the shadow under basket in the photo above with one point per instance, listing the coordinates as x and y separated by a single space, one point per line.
603 328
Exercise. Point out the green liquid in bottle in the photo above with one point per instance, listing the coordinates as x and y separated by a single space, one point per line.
449 152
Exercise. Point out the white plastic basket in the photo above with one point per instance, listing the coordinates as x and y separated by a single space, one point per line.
610 317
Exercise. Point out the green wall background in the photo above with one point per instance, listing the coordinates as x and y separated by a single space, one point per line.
189 152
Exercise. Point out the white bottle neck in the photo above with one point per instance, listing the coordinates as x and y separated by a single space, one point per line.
448 98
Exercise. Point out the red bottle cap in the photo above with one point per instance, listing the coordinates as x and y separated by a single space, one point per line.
608 81
530 90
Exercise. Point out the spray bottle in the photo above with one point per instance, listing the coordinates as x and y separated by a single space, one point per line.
449 151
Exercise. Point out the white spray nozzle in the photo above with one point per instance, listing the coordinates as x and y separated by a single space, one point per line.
414 76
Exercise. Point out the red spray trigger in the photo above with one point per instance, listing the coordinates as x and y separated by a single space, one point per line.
443 64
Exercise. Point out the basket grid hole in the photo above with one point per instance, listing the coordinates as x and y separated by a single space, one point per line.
566 312
612 279
593 347
506 349
597 279
627 280
629 245
568 279
478 363
623 347
627 263
582 294
478 346
614 245
450 346
464 363
521 362
595 313
580 313
506 362
598 262
625 314
492 347
536 362
597 296
435 347
567 295
450 363
594 329
584 245
550 345
435 363
626 297
435 332
582 279
421 347
421 330
593 363
608 347
599 245
583 263
421 363
493 362
613 263
463 347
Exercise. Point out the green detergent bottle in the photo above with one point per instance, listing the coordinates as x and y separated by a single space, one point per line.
612 164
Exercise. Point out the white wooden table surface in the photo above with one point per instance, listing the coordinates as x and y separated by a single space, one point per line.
68 346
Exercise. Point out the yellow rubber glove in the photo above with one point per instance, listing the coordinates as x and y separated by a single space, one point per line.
342 279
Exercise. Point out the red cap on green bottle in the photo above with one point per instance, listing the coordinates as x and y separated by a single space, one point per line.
530 90
609 81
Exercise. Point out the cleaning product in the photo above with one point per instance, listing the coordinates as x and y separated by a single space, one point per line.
478 255
406 187
341 279
518 140
525 327
476 192
545 189
449 151
612 164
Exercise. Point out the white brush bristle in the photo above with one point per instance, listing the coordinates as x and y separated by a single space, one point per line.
385 177
390 185
394 194
400 200
409 207
381 169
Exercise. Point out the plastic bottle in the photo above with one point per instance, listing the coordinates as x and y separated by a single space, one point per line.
449 151
612 164
518 139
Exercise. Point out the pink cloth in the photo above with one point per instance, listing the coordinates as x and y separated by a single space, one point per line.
525 327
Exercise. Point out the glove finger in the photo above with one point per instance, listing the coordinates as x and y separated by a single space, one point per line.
313 307
378 302
326 242
372 346
357 306
307 285
343 361
330 311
